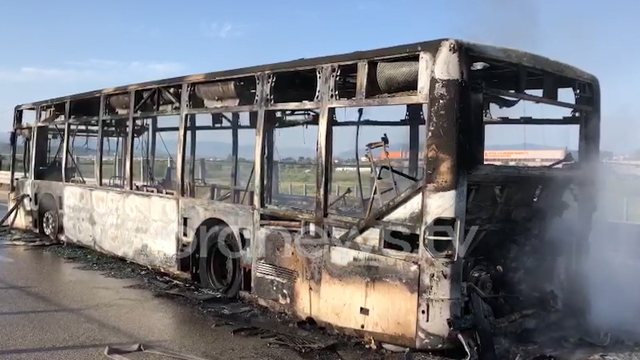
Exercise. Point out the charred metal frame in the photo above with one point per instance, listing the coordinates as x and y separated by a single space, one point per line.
443 94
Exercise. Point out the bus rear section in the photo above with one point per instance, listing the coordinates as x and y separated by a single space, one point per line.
529 204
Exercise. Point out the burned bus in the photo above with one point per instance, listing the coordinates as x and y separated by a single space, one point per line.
350 189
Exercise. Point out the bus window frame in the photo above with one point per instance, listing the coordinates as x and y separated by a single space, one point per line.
186 171
266 161
419 160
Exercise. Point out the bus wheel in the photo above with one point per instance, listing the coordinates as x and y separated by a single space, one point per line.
49 221
219 262
484 335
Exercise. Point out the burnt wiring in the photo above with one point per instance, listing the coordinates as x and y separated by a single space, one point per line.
166 148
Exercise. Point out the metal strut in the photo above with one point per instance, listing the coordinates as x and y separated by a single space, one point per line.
18 201
376 172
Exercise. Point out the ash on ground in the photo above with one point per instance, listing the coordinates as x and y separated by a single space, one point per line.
242 318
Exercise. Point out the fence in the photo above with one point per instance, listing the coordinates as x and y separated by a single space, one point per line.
299 179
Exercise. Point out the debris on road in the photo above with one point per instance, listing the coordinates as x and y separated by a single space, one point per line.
196 294
20 238
300 344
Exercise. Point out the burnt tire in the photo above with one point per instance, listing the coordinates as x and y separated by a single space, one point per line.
484 335
219 261
49 220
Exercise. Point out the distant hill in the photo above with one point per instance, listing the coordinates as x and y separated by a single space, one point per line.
219 149
5 148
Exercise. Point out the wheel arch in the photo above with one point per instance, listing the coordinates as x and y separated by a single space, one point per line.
204 227
47 201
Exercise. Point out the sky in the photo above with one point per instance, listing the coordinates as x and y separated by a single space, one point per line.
50 49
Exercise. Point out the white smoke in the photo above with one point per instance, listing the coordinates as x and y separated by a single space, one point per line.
612 269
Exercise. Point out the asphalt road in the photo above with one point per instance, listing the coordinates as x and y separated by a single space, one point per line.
50 309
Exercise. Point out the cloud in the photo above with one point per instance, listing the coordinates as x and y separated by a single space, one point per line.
92 71
37 82
30 74
93 63
157 67
221 30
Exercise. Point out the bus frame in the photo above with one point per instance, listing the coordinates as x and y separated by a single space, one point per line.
419 299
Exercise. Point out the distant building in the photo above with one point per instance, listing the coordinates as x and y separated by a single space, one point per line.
398 155
498 157
507 157
524 157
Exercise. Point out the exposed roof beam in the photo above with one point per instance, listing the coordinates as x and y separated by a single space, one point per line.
536 99
567 120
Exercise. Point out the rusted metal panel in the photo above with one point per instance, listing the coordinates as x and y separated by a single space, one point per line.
425 71
35 157
100 144
361 81
235 120
65 145
193 136
440 293
17 123
369 293
382 101
267 157
128 150
184 97
415 117
324 156
349 289
305 105
284 273
152 136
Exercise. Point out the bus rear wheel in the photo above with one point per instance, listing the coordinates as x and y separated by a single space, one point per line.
49 221
219 261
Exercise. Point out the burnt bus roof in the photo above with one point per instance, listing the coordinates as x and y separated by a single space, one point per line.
479 51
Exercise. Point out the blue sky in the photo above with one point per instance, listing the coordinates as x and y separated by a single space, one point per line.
55 48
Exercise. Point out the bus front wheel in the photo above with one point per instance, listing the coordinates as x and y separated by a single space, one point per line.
219 261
